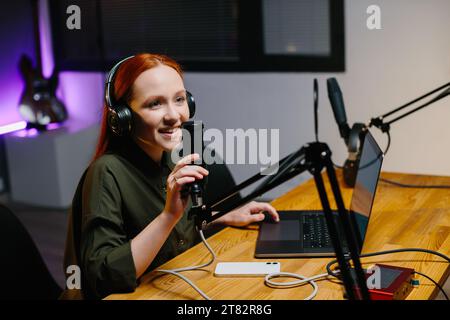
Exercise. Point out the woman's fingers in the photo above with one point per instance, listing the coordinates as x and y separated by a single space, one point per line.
191 171
189 159
255 218
256 207
182 181
185 172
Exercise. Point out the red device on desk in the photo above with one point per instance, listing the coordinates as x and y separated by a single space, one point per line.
395 282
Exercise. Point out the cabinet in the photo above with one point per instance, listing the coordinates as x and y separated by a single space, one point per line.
44 167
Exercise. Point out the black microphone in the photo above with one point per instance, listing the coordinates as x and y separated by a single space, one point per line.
353 137
193 143
337 103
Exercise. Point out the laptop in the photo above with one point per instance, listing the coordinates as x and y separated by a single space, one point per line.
305 234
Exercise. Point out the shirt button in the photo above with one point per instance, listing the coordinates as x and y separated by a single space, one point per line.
181 243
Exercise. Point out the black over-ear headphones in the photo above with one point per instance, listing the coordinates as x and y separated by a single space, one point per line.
120 118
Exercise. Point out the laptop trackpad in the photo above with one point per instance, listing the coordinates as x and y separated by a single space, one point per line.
285 230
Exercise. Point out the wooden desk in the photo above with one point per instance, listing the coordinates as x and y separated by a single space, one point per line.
400 218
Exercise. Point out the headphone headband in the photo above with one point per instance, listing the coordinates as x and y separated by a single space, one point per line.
109 86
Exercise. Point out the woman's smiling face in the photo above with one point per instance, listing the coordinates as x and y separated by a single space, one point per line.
160 107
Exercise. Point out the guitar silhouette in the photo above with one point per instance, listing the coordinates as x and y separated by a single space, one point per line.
38 104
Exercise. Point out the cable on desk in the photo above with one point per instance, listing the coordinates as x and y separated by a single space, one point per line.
435 283
303 280
175 272
404 185
399 184
443 256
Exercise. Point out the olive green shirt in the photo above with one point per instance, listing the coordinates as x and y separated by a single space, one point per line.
119 195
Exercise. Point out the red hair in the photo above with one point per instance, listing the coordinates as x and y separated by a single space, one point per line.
123 82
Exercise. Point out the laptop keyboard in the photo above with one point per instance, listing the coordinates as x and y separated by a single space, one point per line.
315 231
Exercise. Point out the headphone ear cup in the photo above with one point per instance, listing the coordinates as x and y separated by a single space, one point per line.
191 104
120 120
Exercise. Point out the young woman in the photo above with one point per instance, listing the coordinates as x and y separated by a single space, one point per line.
128 215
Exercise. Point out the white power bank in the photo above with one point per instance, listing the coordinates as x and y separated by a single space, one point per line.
246 269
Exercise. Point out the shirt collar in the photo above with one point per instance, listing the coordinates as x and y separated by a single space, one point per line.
138 158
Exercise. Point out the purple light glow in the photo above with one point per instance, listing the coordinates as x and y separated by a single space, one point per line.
46 39
53 126
20 130
29 133
12 127
81 92
16 31
10 96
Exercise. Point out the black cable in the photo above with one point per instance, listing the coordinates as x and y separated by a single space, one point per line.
374 160
404 185
399 184
435 283
443 256
388 144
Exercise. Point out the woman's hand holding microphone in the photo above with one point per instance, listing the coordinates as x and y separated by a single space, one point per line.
183 173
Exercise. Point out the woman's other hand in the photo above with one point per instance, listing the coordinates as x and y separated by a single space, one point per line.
248 213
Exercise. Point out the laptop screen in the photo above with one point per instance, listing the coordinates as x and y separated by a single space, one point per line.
365 186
